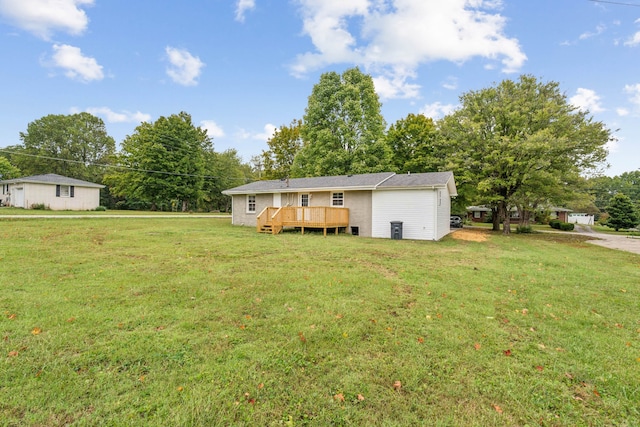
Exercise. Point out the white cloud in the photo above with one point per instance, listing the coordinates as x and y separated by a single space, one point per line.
242 7
267 133
634 93
393 37
212 128
622 112
587 100
76 65
185 68
451 83
394 86
633 40
43 17
437 110
125 116
588 34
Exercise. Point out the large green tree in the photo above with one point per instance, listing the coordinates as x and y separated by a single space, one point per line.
223 171
505 139
7 170
283 147
412 141
604 187
343 129
75 145
163 163
622 212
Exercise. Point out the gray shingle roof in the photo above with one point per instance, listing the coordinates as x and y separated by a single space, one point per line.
371 181
52 178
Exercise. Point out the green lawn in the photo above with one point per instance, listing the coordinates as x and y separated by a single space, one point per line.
172 322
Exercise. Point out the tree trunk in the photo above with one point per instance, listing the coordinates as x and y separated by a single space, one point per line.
506 224
185 205
495 218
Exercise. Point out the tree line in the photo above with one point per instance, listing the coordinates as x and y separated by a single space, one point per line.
518 144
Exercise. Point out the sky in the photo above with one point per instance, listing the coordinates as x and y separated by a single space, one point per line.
243 68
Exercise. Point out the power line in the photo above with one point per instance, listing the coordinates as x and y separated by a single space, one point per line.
118 167
616 2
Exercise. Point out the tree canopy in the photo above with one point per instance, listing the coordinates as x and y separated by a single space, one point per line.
163 163
519 138
622 212
7 170
283 147
73 145
412 141
343 128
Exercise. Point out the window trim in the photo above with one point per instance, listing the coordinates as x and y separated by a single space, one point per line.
302 199
251 203
335 199
65 191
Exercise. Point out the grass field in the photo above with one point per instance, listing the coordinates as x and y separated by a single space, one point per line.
191 321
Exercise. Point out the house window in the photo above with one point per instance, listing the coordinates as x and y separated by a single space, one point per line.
477 214
337 199
304 200
5 188
65 191
251 203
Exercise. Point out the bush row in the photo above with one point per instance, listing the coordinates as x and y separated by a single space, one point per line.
559 225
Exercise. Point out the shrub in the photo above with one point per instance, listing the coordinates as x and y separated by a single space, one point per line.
525 229
39 207
566 226
101 208
555 223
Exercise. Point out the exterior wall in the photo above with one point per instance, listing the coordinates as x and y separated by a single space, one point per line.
239 214
360 211
84 198
358 203
417 209
443 212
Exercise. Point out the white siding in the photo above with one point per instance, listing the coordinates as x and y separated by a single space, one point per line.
417 209
444 214
84 198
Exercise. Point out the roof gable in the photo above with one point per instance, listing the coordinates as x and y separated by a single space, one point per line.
372 181
53 179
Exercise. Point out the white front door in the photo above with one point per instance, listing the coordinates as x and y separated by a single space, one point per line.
18 197
277 200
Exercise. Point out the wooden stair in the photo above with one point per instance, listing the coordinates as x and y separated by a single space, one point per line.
266 228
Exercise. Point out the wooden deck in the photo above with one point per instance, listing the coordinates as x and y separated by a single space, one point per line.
273 220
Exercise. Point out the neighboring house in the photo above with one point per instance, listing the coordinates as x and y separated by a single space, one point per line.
478 213
55 192
581 218
482 213
419 205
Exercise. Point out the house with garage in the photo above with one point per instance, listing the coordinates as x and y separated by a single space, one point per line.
384 205
55 192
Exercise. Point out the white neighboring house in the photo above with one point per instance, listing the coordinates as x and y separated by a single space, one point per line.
421 201
55 192
581 218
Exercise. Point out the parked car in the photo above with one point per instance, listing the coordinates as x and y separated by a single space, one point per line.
455 221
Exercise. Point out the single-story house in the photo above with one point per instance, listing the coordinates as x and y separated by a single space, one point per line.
481 213
54 191
385 205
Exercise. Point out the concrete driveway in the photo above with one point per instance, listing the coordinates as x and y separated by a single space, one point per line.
611 241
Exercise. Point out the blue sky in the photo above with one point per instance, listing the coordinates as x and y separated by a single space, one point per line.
242 68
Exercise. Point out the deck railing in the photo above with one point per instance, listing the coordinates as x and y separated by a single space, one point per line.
324 217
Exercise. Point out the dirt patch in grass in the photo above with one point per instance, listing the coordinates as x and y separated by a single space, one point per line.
470 235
